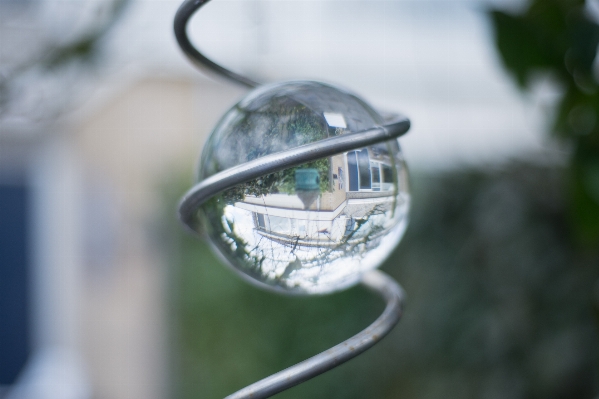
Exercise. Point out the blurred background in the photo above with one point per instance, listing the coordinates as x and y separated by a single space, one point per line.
103 295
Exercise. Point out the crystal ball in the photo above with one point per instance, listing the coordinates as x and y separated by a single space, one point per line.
313 228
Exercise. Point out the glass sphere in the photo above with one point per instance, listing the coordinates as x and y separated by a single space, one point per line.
313 228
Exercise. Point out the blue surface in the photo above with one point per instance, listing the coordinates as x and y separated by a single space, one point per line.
14 287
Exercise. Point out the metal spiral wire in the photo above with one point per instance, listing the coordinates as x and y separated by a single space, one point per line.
376 281
185 11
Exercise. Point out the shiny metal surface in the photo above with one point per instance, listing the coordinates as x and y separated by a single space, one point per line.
376 281
184 13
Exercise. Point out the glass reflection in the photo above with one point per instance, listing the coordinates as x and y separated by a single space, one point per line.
313 228
309 239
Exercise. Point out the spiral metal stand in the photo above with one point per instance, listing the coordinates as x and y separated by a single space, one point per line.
376 281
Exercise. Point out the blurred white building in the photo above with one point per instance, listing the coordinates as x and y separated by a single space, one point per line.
95 281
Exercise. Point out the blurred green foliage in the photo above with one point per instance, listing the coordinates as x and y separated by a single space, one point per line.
282 181
82 50
500 304
257 133
86 47
560 38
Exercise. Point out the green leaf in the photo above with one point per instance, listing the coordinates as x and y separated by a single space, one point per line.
585 192
518 46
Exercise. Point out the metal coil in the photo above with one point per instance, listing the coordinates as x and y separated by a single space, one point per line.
376 281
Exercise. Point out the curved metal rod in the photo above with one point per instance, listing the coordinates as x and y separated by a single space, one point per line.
253 169
375 281
182 16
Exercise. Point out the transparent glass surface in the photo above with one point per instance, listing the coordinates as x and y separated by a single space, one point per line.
317 227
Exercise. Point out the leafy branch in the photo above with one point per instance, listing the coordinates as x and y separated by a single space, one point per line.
558 37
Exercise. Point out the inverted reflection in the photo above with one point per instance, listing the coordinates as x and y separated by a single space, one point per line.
313 228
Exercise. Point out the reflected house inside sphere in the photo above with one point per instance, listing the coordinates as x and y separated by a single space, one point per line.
313 228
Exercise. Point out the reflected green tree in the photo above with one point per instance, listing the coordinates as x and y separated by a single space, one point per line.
66 59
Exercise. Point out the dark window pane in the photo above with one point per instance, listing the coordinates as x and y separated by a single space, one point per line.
387 174
376 177
261 221
14 295
352 171
364 168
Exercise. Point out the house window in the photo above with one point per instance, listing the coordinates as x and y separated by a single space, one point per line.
367 175
376 176
358 169
352 171
364 169
14 286
387 177
260 220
